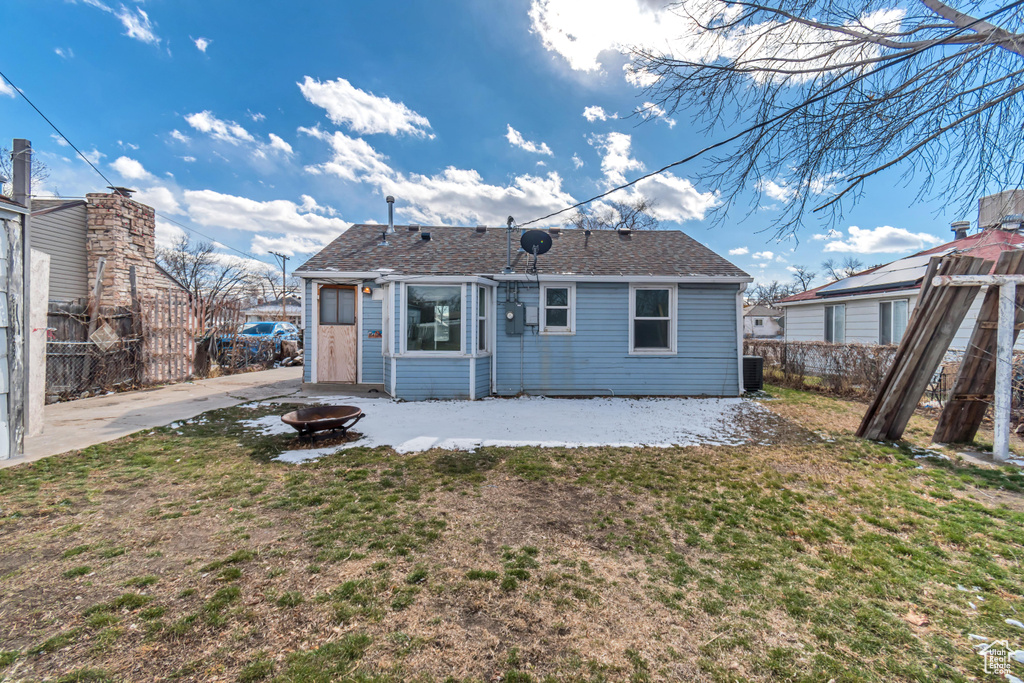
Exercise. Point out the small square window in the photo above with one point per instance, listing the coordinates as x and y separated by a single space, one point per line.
652 320
558 302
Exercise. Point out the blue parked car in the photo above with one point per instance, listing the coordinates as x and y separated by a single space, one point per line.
258 342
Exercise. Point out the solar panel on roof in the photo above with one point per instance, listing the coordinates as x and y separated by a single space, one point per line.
906 271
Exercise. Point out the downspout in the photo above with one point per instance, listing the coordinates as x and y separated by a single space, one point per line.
739 336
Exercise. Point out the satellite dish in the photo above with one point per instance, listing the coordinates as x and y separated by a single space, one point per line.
535 242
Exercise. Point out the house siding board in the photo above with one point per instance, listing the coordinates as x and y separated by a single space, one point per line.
308 332
62 235
426 378
373 366
483 376
596 359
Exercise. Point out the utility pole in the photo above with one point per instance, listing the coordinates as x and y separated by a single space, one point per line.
284 308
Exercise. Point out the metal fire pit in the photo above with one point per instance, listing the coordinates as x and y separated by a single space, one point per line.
309 421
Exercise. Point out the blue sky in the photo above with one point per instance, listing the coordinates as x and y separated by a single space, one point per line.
273 127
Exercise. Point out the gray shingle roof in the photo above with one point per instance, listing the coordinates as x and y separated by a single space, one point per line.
464 251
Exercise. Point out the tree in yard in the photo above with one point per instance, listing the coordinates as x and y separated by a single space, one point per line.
829 93
835 270
634 214
211 278
803 277
767 293
40 172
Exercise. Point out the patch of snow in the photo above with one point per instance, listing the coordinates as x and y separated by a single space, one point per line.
296 457
973 606
1014 622
931 454
411 427
1012 679
267 425
975 636
1017 656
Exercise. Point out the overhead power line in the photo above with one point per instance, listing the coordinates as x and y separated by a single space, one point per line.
105 178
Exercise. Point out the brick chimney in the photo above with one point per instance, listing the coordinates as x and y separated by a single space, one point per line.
122 231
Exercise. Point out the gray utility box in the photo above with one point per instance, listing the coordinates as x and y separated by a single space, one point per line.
515 317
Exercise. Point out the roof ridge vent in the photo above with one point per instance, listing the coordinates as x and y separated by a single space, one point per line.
413 227
481 228
555 230
624 231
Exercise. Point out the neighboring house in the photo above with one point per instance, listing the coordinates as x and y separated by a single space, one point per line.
77 233
271 310
762 322
873 307
435 313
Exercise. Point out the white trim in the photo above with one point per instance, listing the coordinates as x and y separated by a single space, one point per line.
571 312
315 314
359 334
493 324
650 279
491 278
403 348
739 337
892 310
673 320
394 361
473 337
892 293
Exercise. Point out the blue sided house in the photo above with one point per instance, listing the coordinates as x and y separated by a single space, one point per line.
463 313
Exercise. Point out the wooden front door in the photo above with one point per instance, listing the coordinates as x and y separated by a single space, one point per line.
336 337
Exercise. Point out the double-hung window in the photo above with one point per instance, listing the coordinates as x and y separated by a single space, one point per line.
481 319
433 318
892 321
337 305
835 323
652 316
558 302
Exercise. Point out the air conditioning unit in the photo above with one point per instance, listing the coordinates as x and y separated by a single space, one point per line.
753 373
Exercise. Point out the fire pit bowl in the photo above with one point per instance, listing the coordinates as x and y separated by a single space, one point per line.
308 421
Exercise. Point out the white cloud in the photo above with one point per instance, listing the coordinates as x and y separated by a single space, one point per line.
616 161
188 159
516 139
763 255
179 136
137 25
353 159
650 110
256 117
279 144
167 234
61 142
127 145
363 112
202 43
597 113
576 161
6 89
160 198
739 251
130 169
64 52
218 129
94 155
673 198
883 239
280 222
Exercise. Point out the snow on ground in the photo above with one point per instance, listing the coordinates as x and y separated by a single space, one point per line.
537 421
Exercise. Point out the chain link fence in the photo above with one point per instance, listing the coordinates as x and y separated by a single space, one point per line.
77 369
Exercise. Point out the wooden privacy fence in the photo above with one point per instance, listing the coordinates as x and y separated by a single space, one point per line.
162 338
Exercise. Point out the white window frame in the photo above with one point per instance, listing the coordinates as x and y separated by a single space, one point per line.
673 319
825 323
482 294
571 308
758 322
891 318
404 313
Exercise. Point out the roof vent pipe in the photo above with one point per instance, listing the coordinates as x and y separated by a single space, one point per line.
391 222
960 229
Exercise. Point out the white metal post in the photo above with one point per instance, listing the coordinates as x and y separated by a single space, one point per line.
1004 369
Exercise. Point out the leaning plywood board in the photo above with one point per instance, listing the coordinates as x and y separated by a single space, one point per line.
939 313
975 382
336 353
